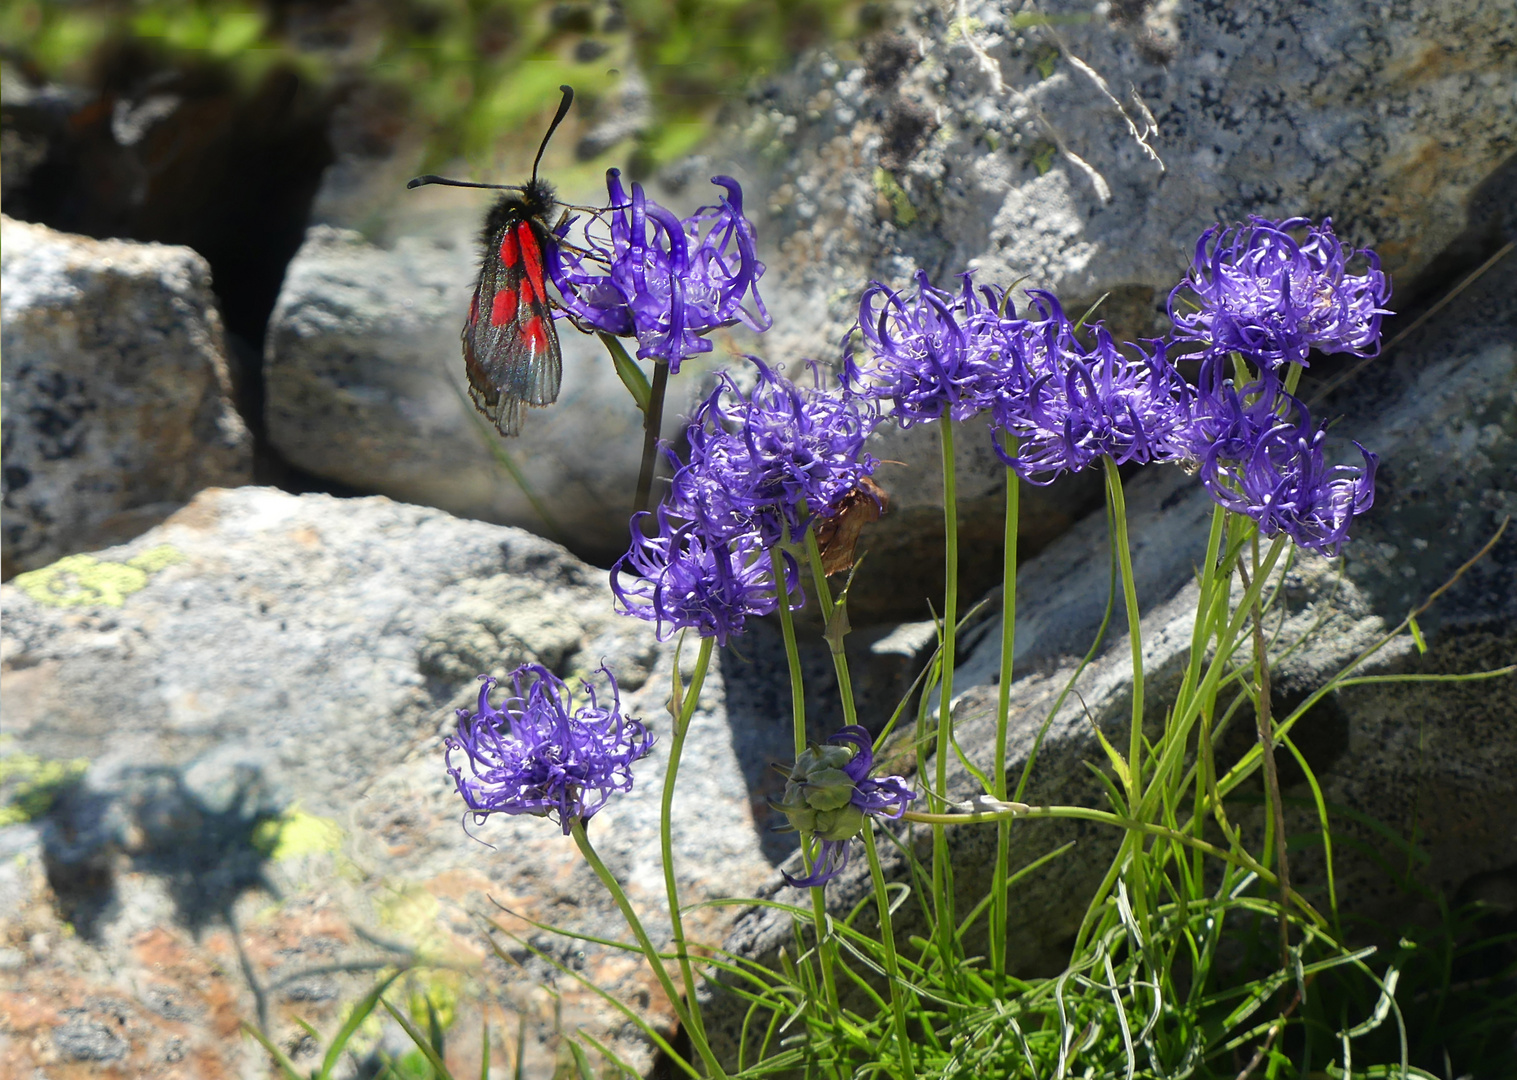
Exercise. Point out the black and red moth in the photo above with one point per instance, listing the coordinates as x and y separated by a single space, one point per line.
511 351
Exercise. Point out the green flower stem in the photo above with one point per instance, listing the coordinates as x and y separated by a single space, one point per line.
1227 642
798 723
942 880
950 603
830 615
792 654
998 898
1132 847
687 706
577 830
825 946
653 421
1292 377
887 940
1267 755
1202 630
1134 630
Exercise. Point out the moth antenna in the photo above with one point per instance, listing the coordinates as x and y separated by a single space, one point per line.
431 179
558 118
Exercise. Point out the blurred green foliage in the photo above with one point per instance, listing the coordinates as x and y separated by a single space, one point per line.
471 69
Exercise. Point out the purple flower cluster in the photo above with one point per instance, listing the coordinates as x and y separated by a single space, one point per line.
927 354
762 465
1262 298
533 756
830 793
1255 290
660 279
1083 404
771 458
685 578
1279 478
1067 404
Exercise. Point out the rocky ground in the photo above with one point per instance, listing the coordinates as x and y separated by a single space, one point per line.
220 772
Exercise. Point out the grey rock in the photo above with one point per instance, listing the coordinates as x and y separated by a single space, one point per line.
82 1038
263 715
116 407
365 385
625 112
1278 110
935 149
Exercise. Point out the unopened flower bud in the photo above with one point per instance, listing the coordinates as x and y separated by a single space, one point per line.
830 793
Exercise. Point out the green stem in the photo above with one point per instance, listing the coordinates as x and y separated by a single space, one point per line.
998 898
830 613
1292 377
1134 632
798 726
824 943
666 834
653 421
1131 853
942 876
1201 630
608 879
950 604
792 653
887 940
1267 753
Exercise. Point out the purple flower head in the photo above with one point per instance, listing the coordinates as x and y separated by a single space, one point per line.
771 458
1284 485
1086 403
1025 350
659 279
928 355
1226 423
533 756
684 578
830 793
1261 293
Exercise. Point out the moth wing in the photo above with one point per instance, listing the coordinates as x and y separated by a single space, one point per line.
510 345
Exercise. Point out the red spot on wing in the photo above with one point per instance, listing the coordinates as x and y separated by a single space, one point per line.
526 291
532 255
536 336
508 249
503 310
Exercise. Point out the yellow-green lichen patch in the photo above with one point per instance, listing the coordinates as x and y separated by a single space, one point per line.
295 833
85 581
155 559
900 202
29 785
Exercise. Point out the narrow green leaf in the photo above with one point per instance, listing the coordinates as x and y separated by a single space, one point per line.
1091 311
520 1072
1118 762
286 1066
581 1062
420 1039
1416 634
359 1014
628 372
434 1025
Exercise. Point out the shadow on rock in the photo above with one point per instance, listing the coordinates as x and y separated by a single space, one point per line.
196 829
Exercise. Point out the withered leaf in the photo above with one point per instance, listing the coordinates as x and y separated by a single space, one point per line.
837 533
